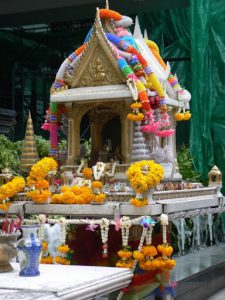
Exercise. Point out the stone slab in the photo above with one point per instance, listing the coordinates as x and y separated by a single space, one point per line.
64 282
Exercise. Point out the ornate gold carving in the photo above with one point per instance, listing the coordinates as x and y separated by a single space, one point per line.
97 64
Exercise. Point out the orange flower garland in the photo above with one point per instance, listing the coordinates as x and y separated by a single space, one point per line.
36 179
109 14
9 190
139 202
73 195
126 260
87 172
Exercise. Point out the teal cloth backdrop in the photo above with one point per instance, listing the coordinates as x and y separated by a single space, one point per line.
197 32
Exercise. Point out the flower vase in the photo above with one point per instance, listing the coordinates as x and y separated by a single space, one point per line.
29 251
149 195
7 251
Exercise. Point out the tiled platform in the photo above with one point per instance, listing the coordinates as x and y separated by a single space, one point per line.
201 274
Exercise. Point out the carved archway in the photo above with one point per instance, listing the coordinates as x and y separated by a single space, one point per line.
105 112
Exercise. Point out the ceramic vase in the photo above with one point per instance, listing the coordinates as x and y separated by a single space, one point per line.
149 195
29 251
7 251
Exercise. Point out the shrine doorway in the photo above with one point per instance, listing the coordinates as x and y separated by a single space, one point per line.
106 124
111 138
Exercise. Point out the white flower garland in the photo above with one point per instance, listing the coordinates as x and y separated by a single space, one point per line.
164 222
112 173
41 232
125 229
98 170
63 225
104 226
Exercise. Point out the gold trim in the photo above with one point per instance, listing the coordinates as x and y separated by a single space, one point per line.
98 48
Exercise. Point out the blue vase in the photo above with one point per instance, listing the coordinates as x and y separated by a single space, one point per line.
29 251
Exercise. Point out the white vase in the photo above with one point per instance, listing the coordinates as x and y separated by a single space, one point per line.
148 195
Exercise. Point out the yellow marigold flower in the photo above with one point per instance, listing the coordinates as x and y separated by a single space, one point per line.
138 255
179 116
144 175
44 246
63 248
87 172
125 254
47 259
65 188
125 264
165 250
138 202
41 184
100 198
149 251
169 264
97 184
187 116
136 105
135 117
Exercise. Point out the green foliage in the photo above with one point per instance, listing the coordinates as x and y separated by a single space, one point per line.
9 154
43 146
186 165
63 146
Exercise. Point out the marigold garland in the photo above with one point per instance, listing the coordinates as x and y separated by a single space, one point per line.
100 198
47 260
64 248
96 184
37 179
41 169
61 260
87 172
73 195
10 189
126 260
39 196
144 175
139 202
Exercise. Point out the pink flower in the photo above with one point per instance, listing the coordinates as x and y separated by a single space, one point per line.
45 126
164 133
57 182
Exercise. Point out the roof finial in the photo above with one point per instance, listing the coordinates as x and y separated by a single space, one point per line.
97 14
107 4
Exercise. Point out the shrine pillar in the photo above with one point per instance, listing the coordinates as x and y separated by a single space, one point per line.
73 134
126 134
